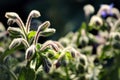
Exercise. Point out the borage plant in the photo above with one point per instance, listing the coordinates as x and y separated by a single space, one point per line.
38 57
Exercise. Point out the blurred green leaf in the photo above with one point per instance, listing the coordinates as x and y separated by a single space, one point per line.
27 74
38 46
31 34
68 56
38 60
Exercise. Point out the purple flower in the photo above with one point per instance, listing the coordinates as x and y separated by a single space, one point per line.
106 10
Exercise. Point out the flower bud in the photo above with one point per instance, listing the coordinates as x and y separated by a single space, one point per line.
96 21
48 32
83 40
115 13
115 35
11 15
46 65
50 44
64 41
35 13
10 21
15 32
2 28
116 44
57 63
42 31
73 52
88 9
44 26
30 52
105 10
58 44
83 60
14 17
16 42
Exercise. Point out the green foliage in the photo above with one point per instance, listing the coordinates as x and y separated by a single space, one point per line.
26 74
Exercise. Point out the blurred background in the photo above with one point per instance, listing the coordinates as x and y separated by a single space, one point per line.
64 15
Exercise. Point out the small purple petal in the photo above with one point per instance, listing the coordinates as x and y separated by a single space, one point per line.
104 14
111 6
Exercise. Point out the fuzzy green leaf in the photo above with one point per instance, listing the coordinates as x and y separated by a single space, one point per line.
26 74
31 34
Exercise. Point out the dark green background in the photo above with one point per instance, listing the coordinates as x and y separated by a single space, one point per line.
64 15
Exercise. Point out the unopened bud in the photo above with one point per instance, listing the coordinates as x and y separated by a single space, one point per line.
115 35
73 52
116 44
2 28
46 65
84 40
30 52
115 13
15 32
48 32
64 41
44 26
42 31
96 21
10 21
14 17
35 13
57 63
11 15
16 42
50 44
88 9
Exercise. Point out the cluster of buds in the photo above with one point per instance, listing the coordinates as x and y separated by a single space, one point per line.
21 34
36 52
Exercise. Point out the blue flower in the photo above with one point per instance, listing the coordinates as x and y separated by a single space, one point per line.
106 10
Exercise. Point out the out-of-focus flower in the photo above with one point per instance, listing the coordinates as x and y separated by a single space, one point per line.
96 21
105 10
83 40
64 41
88 9
2 31
111 21
1 50
115 12
100 39
2 28
115 35
108 10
